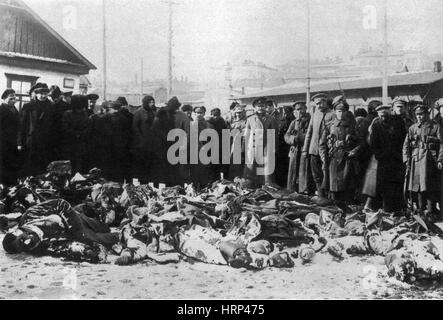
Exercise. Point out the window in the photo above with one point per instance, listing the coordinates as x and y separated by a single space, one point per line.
21 84
68 83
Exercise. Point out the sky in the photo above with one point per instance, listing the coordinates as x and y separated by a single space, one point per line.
209 33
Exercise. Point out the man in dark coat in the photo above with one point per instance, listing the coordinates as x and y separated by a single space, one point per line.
37 131
365 157
121 122
9 134
295 137
75 132
322 118
282 165
423 155
386 138
218 124
61 103
142 139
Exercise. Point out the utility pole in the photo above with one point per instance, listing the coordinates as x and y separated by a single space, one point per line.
308 65
170 50
385 53
104 49
141 78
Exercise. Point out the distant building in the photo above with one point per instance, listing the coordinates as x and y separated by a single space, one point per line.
31 51
426 86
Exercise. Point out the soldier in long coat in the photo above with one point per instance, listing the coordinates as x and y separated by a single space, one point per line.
337 146
386 139
422 152
260 153
295 137
319 122
37 131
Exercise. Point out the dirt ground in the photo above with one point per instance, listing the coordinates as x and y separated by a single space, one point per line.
27 277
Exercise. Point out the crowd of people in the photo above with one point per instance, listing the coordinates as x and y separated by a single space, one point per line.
379 157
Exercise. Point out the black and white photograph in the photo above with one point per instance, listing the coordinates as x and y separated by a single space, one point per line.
221 150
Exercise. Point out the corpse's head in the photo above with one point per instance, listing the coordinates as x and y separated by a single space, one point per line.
20 240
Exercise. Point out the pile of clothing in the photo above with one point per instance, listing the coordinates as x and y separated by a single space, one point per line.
86 218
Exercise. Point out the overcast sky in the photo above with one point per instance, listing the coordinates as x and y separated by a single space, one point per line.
209 33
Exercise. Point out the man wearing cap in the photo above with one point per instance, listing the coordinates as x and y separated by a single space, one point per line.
200 172
399 108
187 108
322 118
295 137
142 139
238 126
37 131
423 156
273 111
260 171
9 133
92 102
386 137
336 148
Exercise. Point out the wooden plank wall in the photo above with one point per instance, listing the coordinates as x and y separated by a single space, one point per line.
19 32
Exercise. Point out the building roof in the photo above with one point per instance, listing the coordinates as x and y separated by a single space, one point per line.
399 79
20 4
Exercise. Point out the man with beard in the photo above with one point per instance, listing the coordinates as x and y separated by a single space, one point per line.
260 153
75 132
295 137
386 138
321 119
142 139
37 131
9 126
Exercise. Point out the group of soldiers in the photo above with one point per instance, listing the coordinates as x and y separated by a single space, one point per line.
380 157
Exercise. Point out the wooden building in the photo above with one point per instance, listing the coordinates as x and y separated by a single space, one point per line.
31 51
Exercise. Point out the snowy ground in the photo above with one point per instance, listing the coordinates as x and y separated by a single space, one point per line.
26 277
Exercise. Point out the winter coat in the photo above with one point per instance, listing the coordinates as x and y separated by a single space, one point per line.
236 169
335 145
37 133
386 143
318 123
256 132
295 137
422 150
9 136
142 128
